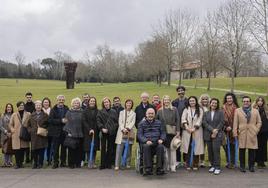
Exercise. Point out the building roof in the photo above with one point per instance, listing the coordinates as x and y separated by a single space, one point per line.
193 65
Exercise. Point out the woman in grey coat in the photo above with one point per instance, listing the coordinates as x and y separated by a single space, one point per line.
74 130
169 117
213 122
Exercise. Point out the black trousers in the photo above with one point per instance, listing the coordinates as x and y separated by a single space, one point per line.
178 154
261 152
49 149
19 157
214 153
251 157
57 144
149 151
38 156
75 155
108 148
28 155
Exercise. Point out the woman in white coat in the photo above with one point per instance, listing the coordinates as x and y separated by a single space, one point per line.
125 133
191 122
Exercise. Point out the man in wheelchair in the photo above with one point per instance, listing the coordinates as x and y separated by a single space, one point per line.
151 135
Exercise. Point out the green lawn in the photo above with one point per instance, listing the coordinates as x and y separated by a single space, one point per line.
11 91
251 84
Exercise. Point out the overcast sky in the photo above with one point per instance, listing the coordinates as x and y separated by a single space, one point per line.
38 28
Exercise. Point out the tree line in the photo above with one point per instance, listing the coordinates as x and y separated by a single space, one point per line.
233 39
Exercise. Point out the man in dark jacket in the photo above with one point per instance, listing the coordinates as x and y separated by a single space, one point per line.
141 109
117 105
55 130
180 103
29 107
151 135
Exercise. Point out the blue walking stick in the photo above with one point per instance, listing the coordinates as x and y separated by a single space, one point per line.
228 149
125 154
236 152
91 150
192 151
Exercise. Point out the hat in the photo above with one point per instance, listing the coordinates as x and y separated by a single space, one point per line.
175 143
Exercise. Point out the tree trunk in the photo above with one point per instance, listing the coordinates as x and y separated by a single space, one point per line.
169 77
180 79
232 82
209 82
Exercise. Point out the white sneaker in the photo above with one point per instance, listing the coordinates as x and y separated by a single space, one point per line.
211 170
217 171
82 163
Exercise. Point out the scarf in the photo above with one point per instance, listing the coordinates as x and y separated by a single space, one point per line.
247 112
229 114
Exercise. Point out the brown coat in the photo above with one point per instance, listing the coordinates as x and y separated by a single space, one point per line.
247 132
15 125
37 142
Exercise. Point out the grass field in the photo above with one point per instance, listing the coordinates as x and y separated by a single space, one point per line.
11 91
251 84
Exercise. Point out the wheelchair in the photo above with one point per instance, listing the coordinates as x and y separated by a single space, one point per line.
139 160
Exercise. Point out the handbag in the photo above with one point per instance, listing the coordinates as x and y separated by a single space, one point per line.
41 131
170 129
131 134
24 134
71 142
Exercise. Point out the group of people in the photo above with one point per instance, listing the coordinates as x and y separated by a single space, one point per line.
176 131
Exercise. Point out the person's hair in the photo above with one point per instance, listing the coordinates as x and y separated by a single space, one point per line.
49 101
265 107
233 96
197 107
74 100
204 96
145 94
116 98
19 103
156 95
60 96
28 93
180 87
218 103
129 100
96 106
86 94
38 101
170 105
102 102
12 111
246 97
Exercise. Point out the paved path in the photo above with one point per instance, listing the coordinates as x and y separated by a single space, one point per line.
84 178
226 90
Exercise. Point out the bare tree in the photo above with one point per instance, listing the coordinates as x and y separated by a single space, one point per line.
178 30
259 26
234 22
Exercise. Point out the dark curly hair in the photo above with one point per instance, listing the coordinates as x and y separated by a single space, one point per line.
197 110
233 96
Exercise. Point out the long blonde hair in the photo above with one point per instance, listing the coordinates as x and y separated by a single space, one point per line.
170 105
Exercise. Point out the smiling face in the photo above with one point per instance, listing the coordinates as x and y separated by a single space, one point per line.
9 108
61 101
166 101
128 105
229 100
246 102
260 102
29 98
21 107
107 104
46 104
150 114
76 104
214 105
192 102
92 102
181 93
204 101
38 107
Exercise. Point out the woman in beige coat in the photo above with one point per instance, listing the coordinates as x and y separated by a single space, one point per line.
126 123
191 122
247 123
17 120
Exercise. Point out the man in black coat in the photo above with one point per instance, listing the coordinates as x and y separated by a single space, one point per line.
55 130
29 107
117 105
141 109
151 135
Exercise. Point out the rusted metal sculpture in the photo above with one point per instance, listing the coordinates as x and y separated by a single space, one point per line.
70 69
